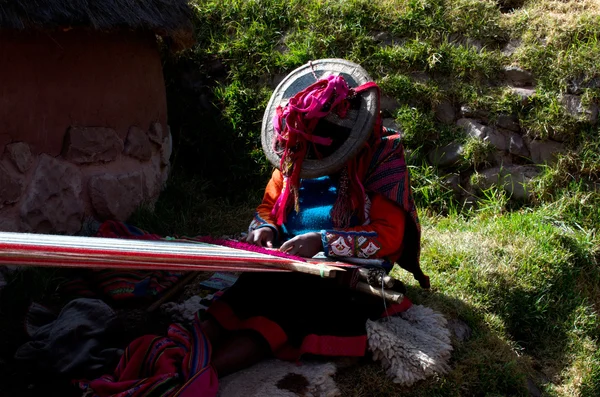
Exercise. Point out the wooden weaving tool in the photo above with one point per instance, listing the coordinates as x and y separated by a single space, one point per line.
26 249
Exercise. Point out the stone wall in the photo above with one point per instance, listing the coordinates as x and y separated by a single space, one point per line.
97 175
83 128
515 158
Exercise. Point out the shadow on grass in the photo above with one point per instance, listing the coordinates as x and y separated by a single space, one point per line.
554 321
482 365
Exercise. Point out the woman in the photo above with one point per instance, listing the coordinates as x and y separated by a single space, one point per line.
341 187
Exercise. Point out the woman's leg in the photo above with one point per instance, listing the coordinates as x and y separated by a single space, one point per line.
214 332
239 351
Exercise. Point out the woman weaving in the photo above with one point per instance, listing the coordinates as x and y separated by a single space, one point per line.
341 187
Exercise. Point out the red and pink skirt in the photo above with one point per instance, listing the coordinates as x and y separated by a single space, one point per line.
301 314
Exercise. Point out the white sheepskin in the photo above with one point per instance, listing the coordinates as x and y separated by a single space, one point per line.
269 378
412 346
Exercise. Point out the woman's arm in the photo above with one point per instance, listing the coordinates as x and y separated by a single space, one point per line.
262 216
381 238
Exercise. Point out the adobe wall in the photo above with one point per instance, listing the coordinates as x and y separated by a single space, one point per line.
83 128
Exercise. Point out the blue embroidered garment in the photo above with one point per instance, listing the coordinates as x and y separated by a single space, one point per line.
316 198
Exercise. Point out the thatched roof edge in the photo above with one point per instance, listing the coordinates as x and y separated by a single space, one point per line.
164 17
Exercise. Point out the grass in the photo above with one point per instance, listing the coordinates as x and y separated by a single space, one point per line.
189 206
477 152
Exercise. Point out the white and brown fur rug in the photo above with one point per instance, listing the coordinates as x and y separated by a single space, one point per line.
411 347
281 379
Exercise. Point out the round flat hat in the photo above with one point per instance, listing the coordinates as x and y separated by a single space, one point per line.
355 126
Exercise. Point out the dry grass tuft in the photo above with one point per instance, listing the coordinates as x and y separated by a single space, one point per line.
549 20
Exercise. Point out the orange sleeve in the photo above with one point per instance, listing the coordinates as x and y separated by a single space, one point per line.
262 216
381 238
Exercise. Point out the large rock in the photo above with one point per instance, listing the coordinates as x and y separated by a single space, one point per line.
468 112
116 197
452 181
84 145
20 155
511 47
11 185
446 156
461 331
517 180
545 151
138 144
498 137
385 39
578 85
473 128
575 108
514 179
444 111
498 157
508 122
52 203
388 104
524 93
517 146
518 77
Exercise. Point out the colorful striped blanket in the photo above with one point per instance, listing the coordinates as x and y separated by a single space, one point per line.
175 365
388 174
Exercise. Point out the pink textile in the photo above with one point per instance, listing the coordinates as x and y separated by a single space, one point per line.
177 365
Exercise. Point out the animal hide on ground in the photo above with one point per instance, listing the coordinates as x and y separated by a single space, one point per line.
276 378
412 346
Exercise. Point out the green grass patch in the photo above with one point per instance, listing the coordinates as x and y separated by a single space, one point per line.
189 206
522 280
477 152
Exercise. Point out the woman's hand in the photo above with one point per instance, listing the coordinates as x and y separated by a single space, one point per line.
306 245
263 237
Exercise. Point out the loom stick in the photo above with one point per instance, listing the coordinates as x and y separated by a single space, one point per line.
172 291
392 296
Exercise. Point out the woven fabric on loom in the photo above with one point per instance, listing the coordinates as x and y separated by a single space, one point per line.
122 285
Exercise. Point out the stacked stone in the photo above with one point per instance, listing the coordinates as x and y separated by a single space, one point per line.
516 157
97 175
